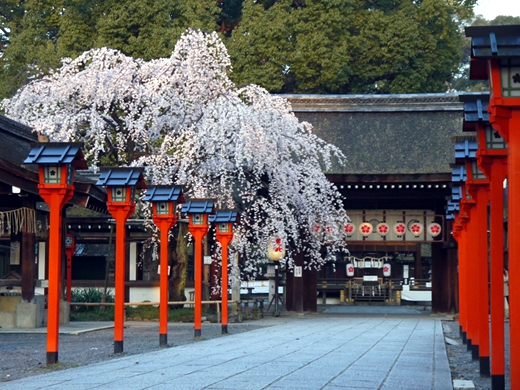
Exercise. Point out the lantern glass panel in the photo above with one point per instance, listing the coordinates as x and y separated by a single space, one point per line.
118 194
163 208
52 174
69 241
223 227
493 139
476 173
510 77
197 219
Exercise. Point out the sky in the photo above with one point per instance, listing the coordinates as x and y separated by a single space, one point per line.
492 8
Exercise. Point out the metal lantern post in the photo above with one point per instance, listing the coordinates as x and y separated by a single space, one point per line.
121 184
275 252
70 248
164 203
198 211
492 160
495 55
224 220
57 163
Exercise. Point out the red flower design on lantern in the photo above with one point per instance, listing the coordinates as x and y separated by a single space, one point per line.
366 228
386 269
399 229
383 229
415 227
434 229
278 246
350 228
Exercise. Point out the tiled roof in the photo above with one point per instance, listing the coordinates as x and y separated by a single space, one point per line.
494 41
385 134
198 207
163 194
57 153
122 177
224 216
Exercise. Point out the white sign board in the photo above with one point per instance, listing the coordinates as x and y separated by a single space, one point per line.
297 271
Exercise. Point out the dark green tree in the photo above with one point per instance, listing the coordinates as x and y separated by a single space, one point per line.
36 34
354 46
149 29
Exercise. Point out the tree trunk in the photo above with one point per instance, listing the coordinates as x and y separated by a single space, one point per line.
180 266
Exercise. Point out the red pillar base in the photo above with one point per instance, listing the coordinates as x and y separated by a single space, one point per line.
469 347
118 347
52 358
163 340
498 382
198 333
224 329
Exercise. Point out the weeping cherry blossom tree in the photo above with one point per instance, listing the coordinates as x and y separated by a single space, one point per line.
184 120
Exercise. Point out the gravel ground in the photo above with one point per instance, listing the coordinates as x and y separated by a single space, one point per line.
461 364
24 355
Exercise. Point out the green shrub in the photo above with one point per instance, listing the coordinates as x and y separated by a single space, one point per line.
91 313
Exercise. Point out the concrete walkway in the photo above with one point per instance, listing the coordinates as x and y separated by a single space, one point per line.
317 351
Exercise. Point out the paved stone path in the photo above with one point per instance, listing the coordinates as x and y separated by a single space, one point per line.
312 352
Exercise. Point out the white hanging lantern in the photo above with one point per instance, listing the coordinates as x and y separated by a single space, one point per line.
316 229
275 249
350 269
399 229
434 229
350 229
387 270
383 229
366 229
415 228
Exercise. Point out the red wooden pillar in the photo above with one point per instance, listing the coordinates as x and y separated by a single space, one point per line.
460 236
164 225
480 192
121 183
164 200
56 199
495 168
121 213
198 234
471 283
224 240
57 164
507 121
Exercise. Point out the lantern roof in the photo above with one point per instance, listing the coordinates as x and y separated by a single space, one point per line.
475 109
164 193
222 216
494 42
199 206
456 193
465 147
451 208
53 153
459 173
122 177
